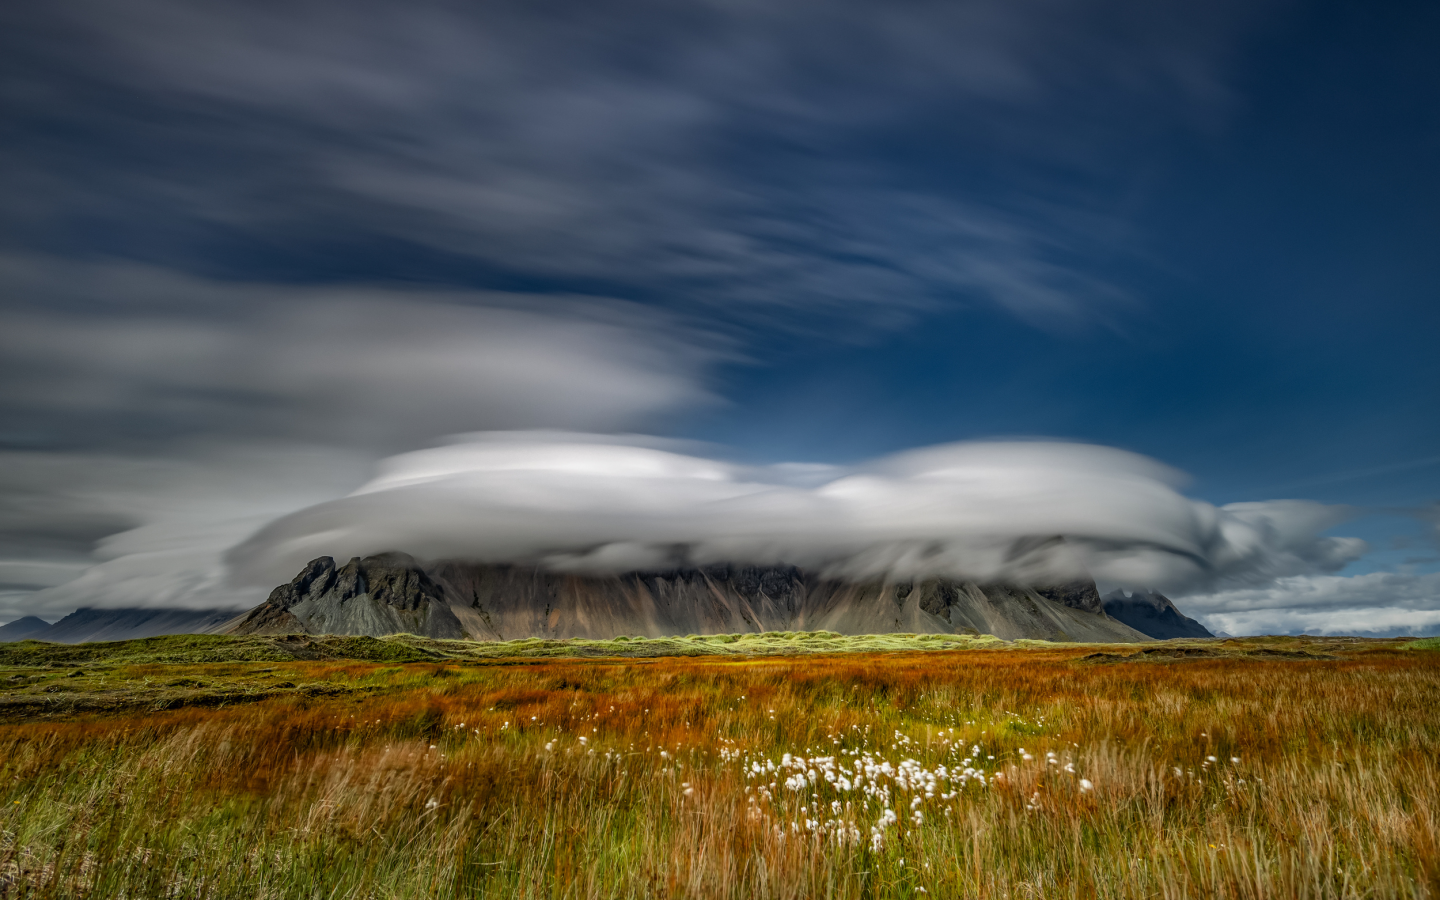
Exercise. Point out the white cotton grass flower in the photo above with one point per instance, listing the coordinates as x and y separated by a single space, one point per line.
432 803
1086 785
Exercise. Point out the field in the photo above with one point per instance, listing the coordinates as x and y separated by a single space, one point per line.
213 767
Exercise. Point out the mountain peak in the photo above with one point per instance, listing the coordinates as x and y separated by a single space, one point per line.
22 628
1153 614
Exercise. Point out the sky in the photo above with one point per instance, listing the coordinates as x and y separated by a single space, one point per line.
1160 277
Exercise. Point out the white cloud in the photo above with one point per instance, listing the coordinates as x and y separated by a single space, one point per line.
182 512
152 352
985 511
294 391
1374 603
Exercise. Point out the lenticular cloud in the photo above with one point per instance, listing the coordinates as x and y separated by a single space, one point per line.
1019 512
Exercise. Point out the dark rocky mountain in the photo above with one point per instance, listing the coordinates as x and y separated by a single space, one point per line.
1153 614
86 625
20 629
392 593
384 594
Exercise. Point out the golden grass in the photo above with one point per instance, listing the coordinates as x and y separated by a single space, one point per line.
434 780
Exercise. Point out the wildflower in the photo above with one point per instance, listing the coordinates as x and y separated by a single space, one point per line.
432 803
1086 785
1234 759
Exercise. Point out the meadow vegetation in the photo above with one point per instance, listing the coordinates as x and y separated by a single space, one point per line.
221 767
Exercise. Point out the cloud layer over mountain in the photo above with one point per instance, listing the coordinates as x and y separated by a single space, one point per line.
172 416
982 511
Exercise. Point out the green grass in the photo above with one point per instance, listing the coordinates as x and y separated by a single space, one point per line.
197 648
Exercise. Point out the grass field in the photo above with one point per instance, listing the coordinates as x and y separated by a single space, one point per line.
213 767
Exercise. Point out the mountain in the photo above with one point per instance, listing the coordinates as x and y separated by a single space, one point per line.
86 625
20 629
391 592
1153 614
377 595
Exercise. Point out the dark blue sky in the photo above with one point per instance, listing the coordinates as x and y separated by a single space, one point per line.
1211 236
1284 267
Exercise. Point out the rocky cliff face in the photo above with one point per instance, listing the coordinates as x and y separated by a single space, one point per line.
1154 615
392 593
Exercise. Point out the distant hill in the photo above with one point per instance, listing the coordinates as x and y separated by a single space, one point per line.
392 593
86 625
20 629
1154 615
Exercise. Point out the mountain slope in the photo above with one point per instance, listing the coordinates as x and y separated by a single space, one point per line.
1153 614
20 629
86 625
391 593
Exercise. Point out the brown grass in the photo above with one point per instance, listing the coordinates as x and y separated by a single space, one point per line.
434 780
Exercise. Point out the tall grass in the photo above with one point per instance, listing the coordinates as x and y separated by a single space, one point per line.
1221 778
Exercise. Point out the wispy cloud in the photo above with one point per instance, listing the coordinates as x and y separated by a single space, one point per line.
123 355
747 158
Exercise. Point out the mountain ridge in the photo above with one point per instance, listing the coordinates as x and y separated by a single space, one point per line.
392 592
88 624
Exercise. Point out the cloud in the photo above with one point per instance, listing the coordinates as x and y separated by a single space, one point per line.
1377 603
127 353
983 511
753 158
149 530
172 416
